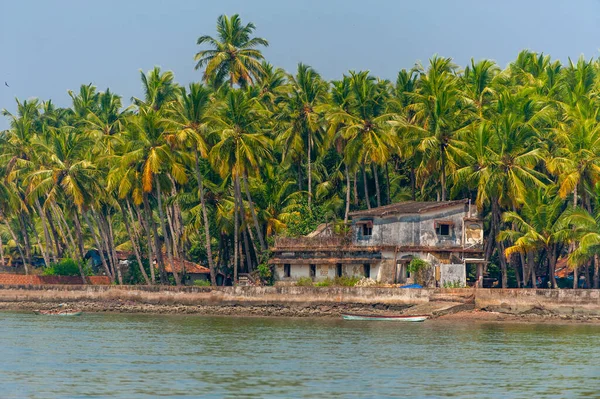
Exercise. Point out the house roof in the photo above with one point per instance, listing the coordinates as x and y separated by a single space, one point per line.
407 207
190 267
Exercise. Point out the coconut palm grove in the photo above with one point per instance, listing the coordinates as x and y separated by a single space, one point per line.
215 171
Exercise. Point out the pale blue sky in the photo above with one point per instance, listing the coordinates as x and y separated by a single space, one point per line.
49 47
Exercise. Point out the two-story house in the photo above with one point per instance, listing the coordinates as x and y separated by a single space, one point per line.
383 241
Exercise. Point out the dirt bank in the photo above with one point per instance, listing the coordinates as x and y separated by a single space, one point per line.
118 306
321 311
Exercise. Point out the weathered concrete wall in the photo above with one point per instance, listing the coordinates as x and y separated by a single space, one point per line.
523 300
413 230
453 274
248 296
568 302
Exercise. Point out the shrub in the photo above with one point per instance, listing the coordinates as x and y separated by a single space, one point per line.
266 273
202 283
304 282
66 267
416 265
345 281
454 284
325 283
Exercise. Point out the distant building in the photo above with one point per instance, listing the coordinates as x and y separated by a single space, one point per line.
383 241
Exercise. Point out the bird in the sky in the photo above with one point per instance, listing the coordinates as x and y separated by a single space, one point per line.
6 84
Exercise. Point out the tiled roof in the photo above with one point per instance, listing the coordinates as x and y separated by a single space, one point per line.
190 267
407 207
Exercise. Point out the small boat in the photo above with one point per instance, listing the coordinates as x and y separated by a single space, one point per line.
411 318
58 312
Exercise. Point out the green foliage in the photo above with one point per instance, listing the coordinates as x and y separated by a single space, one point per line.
66 267
343 281
202 283
133 271
266 273
416 265
305 282
454 284
306 220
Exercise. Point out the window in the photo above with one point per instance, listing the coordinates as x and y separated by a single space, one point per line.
367 269
367 230
287 270
313 271
442 228
338 270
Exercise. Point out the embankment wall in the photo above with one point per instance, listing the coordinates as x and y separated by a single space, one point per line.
585 302
250 296
555 301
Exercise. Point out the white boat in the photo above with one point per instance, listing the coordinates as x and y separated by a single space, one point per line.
410 318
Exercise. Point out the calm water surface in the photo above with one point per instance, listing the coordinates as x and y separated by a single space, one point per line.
137 356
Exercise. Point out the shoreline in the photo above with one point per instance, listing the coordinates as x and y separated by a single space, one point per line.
305 312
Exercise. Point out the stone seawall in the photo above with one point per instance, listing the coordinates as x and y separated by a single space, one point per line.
564 302
293 301
253 296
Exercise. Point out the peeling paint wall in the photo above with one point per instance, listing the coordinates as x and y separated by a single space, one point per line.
453 274
413 230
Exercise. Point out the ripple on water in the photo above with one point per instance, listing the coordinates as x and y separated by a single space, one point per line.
125 356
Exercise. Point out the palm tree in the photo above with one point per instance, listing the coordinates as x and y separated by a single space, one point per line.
587 235
541 226
189 117
498 159
300 121
241 148
233 54
439 107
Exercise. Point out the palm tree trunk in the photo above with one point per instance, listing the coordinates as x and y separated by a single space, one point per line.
149 238
41 246
138 256
299 175
552 266
347 211
247 256
261 240
596 271
443 174
75 251
211 264
105 246
355 183
106 219
236 230
16 240
531 261
78 234
100 249
157 246
25 236
57 239
365 187
161 217
2 262
309 172
377 190
387 178
413 182
47 238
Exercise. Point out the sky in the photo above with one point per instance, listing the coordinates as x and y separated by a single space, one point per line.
50 47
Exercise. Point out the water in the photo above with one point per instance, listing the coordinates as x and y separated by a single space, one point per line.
137 356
